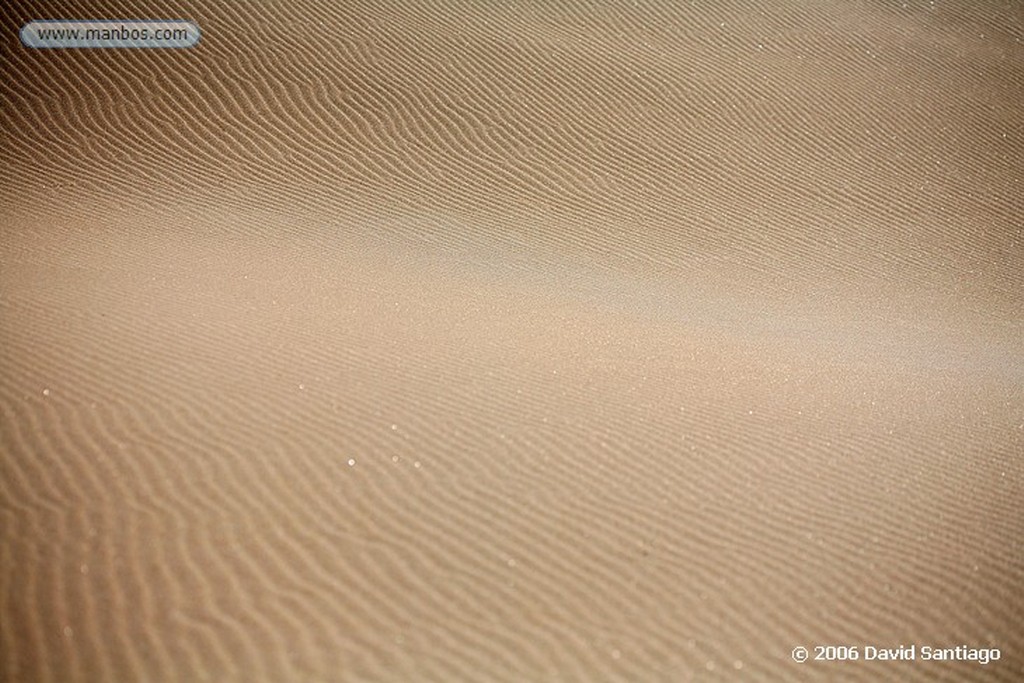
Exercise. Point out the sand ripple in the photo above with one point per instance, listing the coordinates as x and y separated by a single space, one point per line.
518 343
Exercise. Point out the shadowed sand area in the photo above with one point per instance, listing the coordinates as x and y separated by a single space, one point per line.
513 342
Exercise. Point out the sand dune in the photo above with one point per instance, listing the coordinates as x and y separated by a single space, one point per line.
531 342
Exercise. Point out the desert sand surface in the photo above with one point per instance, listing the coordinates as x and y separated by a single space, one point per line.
519 341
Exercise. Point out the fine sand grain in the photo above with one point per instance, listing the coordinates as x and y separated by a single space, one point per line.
520 342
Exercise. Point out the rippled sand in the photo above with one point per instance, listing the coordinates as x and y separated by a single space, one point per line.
532 342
